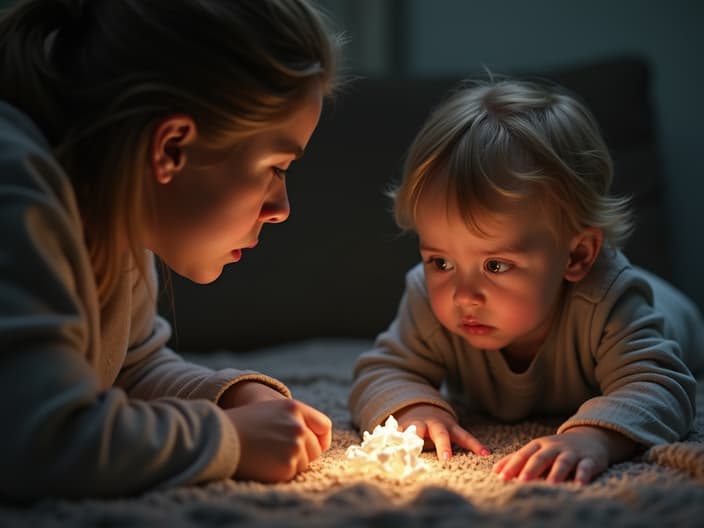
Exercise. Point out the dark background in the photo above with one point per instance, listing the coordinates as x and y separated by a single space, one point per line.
421 38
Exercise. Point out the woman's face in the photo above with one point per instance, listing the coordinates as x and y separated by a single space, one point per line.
214 206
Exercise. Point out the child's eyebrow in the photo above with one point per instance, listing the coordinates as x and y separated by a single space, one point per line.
499 250
512 250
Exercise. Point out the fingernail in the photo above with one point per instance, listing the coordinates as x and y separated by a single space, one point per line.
445 456
484 452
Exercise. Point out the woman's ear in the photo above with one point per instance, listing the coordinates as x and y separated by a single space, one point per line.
584 249
168 141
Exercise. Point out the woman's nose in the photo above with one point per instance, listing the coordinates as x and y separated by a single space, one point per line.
276 207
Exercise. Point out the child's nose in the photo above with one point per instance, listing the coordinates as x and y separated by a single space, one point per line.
468 291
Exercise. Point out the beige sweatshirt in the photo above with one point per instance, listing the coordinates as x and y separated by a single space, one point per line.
92 403
616 358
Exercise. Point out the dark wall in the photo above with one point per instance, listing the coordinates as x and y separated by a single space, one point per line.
454 36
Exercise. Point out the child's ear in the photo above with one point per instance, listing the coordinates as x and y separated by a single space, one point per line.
584 249
168 141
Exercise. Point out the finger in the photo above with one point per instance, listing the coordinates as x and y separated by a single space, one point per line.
318 423
441 438
585 472
538 464
421 429
499 466
302 461
465 439
515 463
562 467
307 449
312 446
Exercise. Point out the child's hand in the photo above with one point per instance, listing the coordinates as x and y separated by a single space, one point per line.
246 392
278 438
582 452
439 428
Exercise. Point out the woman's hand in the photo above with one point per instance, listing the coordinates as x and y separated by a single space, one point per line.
279 438
439 428
581 453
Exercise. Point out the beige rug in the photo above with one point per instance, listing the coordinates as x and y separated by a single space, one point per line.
663 488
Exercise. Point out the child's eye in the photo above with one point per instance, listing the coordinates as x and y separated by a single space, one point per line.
281 173
497 266
440 264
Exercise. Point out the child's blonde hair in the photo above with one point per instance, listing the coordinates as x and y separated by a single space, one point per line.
98 75
497 142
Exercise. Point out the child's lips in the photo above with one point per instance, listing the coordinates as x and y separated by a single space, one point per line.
474 327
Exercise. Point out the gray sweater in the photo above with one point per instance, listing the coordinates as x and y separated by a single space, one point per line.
616 358
92 403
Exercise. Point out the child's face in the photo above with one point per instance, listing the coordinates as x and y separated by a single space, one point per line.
497 291
217 204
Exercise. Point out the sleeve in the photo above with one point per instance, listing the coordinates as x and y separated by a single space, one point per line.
647 391
404 367
152 370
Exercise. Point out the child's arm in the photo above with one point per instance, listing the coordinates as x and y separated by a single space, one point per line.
406 366
581 453
440 429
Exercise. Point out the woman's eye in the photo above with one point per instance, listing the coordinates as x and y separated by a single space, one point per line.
497 266
281 173
440 264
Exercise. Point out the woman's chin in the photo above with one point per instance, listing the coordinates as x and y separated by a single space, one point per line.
202 276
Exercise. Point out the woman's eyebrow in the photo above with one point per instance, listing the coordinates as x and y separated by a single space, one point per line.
285 145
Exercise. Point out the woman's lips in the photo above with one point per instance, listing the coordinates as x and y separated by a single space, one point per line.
237 253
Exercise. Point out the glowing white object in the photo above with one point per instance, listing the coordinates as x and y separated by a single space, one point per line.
395 452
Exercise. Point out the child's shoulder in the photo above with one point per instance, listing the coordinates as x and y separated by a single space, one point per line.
611 273
613 277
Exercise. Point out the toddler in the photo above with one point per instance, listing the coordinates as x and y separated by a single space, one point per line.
523 303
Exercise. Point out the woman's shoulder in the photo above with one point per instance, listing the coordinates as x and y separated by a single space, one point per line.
17 128
30 172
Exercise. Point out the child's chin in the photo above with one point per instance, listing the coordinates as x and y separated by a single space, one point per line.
483 342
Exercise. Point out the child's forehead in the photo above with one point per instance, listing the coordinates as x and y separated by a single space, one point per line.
508 222
443 193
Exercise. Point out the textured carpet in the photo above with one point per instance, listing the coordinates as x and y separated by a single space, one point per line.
663 487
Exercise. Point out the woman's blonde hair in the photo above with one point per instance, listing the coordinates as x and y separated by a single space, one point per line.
502 141
98 75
